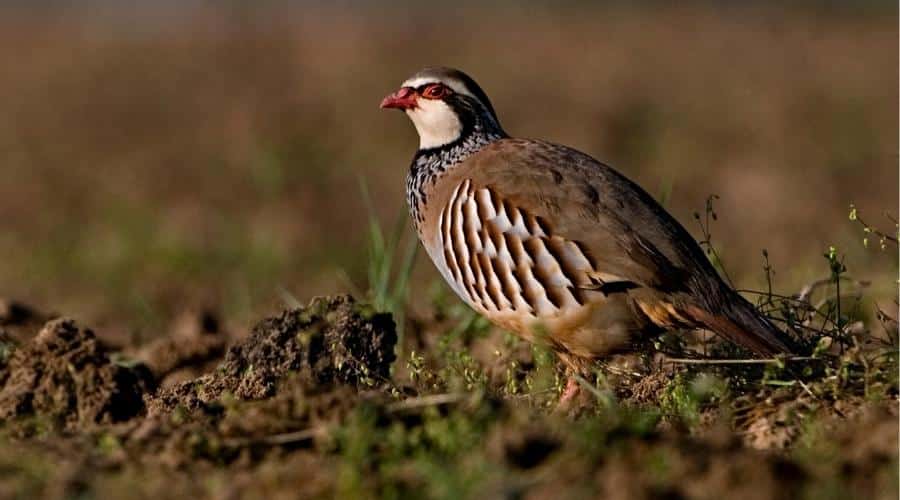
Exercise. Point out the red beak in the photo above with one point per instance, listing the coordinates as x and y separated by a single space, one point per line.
405 98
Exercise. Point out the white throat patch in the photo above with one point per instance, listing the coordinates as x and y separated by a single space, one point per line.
436 123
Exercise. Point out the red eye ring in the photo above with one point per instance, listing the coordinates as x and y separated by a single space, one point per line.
435 91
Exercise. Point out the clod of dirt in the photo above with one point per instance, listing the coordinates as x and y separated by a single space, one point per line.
64 374
194 343
332 340
19 323
13 313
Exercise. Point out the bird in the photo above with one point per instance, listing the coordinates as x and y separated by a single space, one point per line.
549 243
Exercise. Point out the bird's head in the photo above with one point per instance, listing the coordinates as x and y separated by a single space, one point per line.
445 105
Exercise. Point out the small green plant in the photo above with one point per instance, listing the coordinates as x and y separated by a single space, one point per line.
884 239
705 223
391 257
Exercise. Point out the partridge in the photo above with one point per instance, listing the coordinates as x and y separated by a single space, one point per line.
549 243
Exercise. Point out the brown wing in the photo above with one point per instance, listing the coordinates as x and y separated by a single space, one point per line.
621 229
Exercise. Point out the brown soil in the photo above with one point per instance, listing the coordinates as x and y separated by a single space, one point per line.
19 322
194 346
333 340
305 405
66 376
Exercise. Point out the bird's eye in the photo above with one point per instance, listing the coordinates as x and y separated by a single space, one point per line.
435 91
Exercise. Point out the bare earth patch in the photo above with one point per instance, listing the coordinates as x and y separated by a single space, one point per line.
307 405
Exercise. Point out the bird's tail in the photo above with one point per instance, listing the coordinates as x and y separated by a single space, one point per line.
741 323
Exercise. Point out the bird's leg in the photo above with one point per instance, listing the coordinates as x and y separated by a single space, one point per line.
569 394
571 390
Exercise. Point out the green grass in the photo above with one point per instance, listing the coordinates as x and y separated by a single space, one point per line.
391 256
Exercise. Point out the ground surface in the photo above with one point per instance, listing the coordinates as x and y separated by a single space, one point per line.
306 405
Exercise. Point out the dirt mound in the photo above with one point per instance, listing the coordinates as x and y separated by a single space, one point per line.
64 374
194 346
332 340
19 322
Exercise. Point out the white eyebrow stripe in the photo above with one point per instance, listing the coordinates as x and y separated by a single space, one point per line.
457 86
418 82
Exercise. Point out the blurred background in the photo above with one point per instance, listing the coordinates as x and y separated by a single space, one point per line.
180 155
